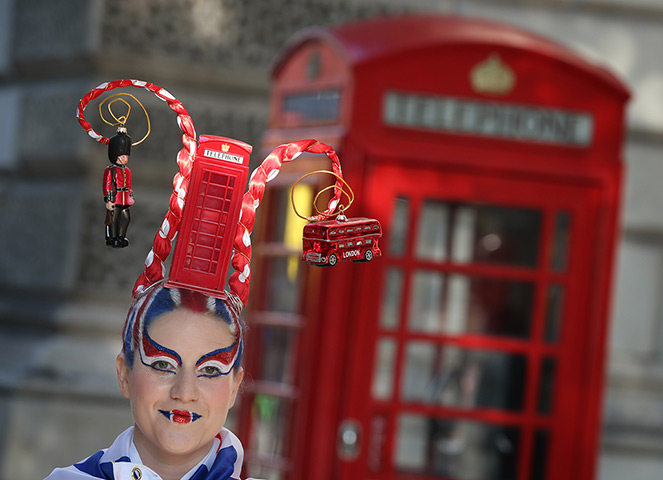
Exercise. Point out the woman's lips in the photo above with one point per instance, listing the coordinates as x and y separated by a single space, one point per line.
180 416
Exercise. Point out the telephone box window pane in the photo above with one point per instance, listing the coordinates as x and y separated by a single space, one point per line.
215 203
457 377
499 307
479 233
311 107
212 216
547 385
560 249
426 302
391 299
269 426
463 304
456 449
282 283
277 345
492 234
554 306
399 226
217 191
206 227
377 443
433 231
540 455
383 375
412 444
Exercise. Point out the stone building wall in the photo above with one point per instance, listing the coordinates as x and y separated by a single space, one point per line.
63 294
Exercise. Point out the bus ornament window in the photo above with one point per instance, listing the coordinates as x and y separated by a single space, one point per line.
359 245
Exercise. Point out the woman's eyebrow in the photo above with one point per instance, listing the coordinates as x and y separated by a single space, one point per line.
224 355
152 348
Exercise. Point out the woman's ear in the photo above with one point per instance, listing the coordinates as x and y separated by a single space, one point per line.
237 382
123 375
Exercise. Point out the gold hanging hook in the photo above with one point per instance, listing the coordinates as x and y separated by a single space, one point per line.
122 120
340 207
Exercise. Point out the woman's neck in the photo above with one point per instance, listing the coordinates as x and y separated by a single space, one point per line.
168 466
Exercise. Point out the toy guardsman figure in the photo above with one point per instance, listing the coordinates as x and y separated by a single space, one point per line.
117 189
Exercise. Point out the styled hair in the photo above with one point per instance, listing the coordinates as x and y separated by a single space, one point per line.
158 300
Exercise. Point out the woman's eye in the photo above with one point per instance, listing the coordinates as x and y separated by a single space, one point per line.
210 371
161 365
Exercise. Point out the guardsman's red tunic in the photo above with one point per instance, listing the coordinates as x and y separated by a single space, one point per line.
117 185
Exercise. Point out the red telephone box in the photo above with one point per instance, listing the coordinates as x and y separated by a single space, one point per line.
474 347
218 181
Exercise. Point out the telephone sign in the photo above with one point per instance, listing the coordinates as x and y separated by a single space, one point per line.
483 118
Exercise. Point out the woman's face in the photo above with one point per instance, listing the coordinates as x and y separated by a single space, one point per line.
179 400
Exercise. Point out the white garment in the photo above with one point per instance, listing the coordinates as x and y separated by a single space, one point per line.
121 461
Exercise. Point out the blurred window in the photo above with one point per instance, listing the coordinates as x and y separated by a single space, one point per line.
455 449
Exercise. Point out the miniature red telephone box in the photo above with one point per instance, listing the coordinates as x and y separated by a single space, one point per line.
474 347
204 245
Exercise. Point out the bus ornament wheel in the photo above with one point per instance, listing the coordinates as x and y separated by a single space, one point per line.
332 260
368 255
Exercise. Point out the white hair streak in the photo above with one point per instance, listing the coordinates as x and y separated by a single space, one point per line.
175 295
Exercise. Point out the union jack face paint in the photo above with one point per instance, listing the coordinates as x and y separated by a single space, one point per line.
158 300
180 416
221 360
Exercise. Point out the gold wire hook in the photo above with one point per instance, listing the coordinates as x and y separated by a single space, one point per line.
341 208
123 118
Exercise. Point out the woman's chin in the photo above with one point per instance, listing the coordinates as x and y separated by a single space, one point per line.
183 443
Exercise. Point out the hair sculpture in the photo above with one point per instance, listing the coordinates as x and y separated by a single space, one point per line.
154 270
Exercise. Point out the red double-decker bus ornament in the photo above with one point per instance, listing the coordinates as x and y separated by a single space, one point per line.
341 239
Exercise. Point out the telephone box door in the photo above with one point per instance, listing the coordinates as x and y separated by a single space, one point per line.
471 344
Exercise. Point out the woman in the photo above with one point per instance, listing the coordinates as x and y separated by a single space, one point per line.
180 363
180 369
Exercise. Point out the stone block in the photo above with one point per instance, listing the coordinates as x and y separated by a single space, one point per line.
635 316
9 106
6 29
78 366
39 235
615 466
48 129
643 196
57 30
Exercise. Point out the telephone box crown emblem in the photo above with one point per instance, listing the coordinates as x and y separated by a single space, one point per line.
492 76
225 147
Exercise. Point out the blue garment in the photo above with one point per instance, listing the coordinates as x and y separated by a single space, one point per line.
121 462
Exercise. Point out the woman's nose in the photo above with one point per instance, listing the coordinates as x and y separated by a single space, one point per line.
185 387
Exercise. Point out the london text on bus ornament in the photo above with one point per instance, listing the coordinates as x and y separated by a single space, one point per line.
331 240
